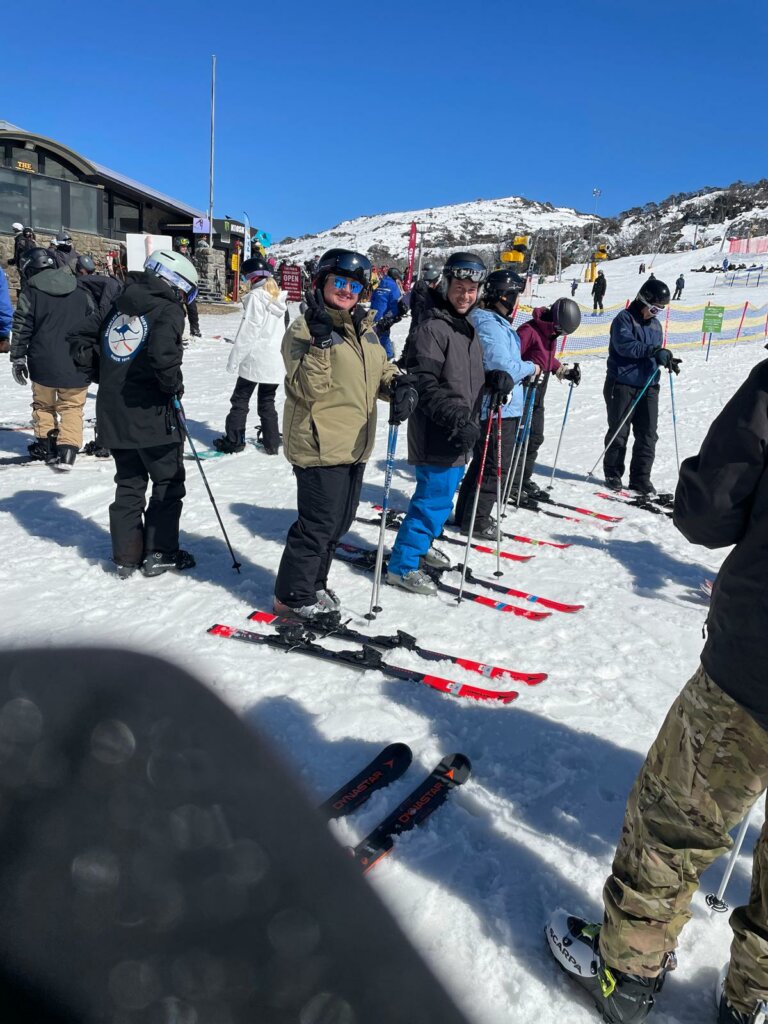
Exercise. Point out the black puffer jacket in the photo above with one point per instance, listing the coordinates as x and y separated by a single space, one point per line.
447 359
50 306
103 289
135 354
722 499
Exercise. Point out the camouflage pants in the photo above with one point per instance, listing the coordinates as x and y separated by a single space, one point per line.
706 768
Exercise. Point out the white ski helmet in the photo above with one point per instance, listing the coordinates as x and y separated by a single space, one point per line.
176 269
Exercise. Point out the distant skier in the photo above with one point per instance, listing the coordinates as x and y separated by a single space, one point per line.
336 370
679 285
598 292
135 354
256 359
63 250
635 350
504 370
421 301
574 286
387 304
538 340
709 762
446 358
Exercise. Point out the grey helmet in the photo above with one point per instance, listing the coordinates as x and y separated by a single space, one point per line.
176 270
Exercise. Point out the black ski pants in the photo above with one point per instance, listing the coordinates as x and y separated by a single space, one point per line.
135 531
194 317
265 406
327 499
643 421
678 294
487 498
597 303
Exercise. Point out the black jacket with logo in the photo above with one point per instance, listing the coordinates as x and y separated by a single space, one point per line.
135 354
447 359
722 499
50 306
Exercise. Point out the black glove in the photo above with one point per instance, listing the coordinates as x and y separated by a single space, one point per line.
386 322
499 384
318 319
571 373
465 434
404 398
402 308
664 357
20 371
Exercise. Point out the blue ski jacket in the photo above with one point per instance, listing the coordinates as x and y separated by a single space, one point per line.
633 340
501 351
6 310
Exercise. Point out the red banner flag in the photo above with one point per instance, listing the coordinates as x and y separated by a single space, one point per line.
411 256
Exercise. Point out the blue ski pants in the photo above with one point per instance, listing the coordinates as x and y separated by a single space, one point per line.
428 512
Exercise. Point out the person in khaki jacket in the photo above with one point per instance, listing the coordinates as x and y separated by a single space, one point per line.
335 371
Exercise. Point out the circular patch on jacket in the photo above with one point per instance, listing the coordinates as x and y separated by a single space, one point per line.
124 335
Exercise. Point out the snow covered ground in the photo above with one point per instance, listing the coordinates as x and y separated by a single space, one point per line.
535 826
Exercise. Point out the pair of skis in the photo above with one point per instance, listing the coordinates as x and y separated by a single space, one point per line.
397 515
394 521
388 766
659 504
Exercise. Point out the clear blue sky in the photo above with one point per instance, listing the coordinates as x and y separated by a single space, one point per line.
326 111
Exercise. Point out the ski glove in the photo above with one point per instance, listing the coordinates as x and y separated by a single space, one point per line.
386 322
404 398
402 308
318 319
567 372
499 384
20 371
465 434
664 357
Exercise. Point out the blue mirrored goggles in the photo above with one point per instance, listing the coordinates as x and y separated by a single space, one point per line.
345 282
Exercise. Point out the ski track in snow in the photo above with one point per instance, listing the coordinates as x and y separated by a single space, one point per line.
535 826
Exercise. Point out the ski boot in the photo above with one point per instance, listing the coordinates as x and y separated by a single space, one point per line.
67 453
436 559
317 613
485 530
329 599
124 571
613 483
157 562
620 998
533 491
227 447
643 487
727 1014
417 581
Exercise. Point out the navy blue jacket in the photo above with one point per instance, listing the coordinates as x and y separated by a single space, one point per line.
6 310
632 342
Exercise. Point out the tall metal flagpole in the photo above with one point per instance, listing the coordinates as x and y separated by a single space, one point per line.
210 179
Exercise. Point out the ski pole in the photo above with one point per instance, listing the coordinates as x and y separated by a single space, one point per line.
498 493
183 420
628 414
674 418
508 483
391 446
562 429
526 439
474 507
715 901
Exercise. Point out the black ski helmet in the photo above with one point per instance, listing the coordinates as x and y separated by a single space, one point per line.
503 285
464 266
566 315
33 261
395 274
345 262
63 237
86 264
429 272
654 293
256 267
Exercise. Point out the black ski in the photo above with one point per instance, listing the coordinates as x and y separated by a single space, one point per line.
452 771
637 502
366 659
392 762
401 639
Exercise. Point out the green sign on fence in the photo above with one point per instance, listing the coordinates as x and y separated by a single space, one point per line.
713 319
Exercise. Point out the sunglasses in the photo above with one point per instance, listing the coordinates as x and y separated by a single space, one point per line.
344 282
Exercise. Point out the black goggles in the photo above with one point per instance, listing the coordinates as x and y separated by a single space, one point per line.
468 273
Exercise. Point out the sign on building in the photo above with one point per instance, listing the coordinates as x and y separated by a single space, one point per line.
201 226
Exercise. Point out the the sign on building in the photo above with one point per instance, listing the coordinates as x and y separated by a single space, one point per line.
712 321
201 226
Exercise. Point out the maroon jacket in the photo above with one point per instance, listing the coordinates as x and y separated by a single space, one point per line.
538 342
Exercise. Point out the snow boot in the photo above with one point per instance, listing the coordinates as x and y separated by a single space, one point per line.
44 448
317 612
329 599
157 562
67 453
227 447
417 581
613 483
436 559
620 998
270 445
727 1014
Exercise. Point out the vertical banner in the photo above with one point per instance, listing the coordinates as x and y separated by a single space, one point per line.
247 242
411 256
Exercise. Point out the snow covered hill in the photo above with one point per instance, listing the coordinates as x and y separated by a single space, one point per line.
535 826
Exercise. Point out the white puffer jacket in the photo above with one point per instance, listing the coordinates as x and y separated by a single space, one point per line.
256 352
